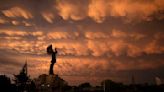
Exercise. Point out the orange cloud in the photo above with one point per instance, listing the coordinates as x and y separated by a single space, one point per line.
86 49
15 22
62 35
134 50
48 16
71 10
17 12
72 47
3 21
11 33
154 47
118 33
96 34
98 47
99 10
27 24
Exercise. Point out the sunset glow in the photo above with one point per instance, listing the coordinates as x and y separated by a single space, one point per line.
96 39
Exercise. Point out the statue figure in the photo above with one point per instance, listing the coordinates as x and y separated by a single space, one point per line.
53 61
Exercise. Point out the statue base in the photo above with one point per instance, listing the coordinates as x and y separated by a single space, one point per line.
50 83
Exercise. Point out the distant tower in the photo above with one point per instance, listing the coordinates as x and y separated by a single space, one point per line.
24 69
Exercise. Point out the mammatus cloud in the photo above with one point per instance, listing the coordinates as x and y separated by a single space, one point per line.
62 35
91 36
113 41
17 12
99 10
48 16
72 9
3 21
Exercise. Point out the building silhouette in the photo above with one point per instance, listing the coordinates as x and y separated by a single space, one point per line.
50 83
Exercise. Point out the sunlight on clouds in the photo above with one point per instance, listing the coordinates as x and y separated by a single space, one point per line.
95 39
97 43
17 12
98 47
20 33
37 33
24 46
3 21
72 47
118 47
11 32
15 22
48 16
118 33
134 51
133 10
27 24
122 34
58 35
96 35
10 38
21 23
71 10
62 35
98 10
153 48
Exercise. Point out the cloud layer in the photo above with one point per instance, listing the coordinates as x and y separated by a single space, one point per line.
99 10
96 39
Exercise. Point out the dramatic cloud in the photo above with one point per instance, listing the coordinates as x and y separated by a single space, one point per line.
3 21
17 12
99 10
72 9
96 39
48 16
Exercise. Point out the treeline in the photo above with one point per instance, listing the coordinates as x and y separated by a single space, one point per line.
106 86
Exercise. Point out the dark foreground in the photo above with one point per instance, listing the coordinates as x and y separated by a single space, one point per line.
46 83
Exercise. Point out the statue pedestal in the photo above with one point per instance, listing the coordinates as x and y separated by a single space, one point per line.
50 83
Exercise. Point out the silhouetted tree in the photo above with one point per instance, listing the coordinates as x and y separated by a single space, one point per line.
5 84
23 81
85 85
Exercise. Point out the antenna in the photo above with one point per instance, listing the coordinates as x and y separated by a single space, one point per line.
25 66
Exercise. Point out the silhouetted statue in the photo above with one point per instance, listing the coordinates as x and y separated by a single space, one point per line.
53 61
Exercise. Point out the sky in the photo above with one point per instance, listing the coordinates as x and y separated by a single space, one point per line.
96 39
